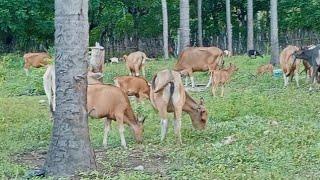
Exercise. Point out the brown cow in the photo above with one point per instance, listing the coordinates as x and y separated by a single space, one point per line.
168 95
110 103
103 101
133 86
288 65
266 68
135 62
36 60
194 59
221 77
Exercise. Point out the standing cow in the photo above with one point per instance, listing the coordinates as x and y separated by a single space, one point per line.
312 56
135 62
289 66
198 59
35 60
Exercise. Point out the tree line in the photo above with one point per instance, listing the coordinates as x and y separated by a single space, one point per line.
126 25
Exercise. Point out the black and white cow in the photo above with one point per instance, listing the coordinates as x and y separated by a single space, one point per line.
254 53
312 56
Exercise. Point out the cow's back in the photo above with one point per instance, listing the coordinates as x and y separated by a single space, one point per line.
103 100
198 58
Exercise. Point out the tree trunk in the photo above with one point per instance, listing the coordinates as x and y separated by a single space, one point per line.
165 28
200 23
274 32
229 26
250 36
70 150
184 25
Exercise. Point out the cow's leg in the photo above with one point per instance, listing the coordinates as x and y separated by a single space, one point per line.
121 130
143 71
177 124
296 77
286 79
186 81
107 125
210 80
192 81
214 89
222 90
164 123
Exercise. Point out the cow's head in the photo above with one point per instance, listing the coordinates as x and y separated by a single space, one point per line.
200 115
138 130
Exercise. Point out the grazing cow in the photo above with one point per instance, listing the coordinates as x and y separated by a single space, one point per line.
133 86
114 60
312 56
135 62
194 59
254 53
36 60
221 77
227 53
111 103
289 66
266 68
103 101
168 95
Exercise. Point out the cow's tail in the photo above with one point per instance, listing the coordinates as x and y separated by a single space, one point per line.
162 84
292 68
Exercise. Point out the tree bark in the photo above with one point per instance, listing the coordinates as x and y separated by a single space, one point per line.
250 32
70 150
184 25
274 32
165 29
229 26
200 23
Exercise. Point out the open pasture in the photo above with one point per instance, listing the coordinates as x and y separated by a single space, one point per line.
258 130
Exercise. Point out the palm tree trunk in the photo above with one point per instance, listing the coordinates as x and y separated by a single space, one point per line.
229 26
165 28
70 149
250 44
184 25
200 23
274 32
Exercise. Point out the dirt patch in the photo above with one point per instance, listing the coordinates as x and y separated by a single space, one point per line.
108 161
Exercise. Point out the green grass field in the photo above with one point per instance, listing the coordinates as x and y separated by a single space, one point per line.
276 130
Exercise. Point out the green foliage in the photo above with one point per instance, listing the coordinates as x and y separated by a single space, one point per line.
276 130
30 23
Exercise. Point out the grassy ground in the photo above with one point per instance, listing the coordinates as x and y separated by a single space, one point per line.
275 130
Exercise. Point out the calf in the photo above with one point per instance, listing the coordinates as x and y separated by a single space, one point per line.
133 86
289 66
114 60
135 62
267 68
103 101
36 60
221 77
168 95
227 53
312 56
254 53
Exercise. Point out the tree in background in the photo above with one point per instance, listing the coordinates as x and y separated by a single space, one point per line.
274 32
250 44
165 28
229 26
184 30
200 23
70 149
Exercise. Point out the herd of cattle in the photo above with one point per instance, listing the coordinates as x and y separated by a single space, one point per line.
166 91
